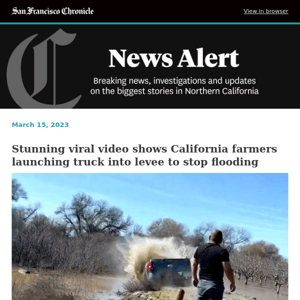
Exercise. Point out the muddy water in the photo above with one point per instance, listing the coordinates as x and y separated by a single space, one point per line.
253 289
114 285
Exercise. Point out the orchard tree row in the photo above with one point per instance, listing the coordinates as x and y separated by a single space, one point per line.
261 267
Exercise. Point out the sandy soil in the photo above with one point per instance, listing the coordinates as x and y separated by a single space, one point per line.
190 294
170 294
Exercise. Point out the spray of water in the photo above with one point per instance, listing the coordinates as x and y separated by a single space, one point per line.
137 251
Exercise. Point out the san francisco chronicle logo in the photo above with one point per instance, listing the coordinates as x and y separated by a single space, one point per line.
14 72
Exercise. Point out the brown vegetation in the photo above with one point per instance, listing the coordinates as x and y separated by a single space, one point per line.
53 285
134 285
41 244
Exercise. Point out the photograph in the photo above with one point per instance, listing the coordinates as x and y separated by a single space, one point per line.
149 236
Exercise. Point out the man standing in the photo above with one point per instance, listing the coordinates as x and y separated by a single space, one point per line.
213 260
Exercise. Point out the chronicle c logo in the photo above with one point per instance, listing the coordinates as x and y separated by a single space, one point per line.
14 74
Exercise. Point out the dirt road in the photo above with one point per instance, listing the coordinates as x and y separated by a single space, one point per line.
190 293
115 284
168 293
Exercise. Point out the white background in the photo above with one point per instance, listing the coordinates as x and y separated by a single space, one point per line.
256 128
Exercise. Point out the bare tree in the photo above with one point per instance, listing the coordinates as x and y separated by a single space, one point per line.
137 230
200 235
236 264
261 267
20 215
17 191
283 274
86 215
243 265
94 216
114 222
30 241
203 230
167 228
73 214
17 222
234 236
30 211
278 270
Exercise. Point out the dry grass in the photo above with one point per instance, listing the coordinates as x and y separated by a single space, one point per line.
134 285
54 285
159 295
19 280
164 295
46 287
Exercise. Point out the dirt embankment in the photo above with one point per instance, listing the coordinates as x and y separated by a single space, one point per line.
170 294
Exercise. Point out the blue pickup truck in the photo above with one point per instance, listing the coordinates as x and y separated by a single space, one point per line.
161 272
